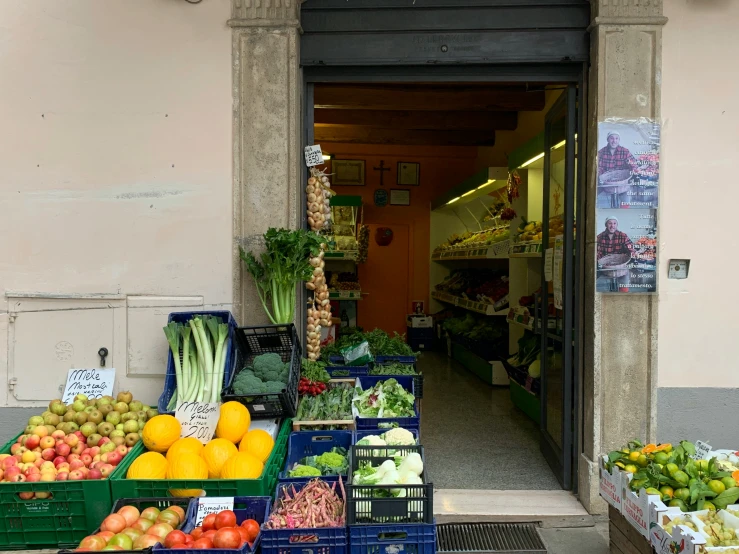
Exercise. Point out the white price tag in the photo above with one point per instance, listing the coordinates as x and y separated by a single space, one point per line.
212 505
94 383
313 155
198 419
702 450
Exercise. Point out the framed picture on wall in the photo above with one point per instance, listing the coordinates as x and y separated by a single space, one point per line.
409 173
348 172
400 197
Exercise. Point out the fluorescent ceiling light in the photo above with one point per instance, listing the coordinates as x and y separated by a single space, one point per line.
559 145
326 157
490 182
532 160
453 200
468 193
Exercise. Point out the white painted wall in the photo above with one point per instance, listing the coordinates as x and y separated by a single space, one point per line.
115 157
699 195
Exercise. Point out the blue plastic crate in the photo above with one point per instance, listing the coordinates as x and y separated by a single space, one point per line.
399 359
245 507
408 382
360 434
345 371
312 443
170 379
411 538
337 360
324 540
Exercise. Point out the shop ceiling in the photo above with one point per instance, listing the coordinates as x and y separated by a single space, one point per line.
420 114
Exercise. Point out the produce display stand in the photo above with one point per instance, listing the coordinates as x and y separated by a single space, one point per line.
73 510
312 443
346 424
624 539
416 538
408 382
152 488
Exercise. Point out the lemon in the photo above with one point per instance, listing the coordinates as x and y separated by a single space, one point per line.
634 456
620 464
682 494
661 458
728 482
667 491
708 505
631 468
702 465
681 477
716 486
670 469
659 467
642 461
637 484
677 503
652 490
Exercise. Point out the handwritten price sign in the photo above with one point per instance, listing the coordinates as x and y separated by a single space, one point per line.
212 505
95 383
313 155
198 419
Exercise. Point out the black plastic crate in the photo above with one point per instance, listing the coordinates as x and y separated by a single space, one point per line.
253 341
373 504
521 376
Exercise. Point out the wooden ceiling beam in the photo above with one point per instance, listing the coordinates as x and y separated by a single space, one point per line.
404 119
429 98
349 134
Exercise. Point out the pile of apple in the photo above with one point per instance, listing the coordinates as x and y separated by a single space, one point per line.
73 442
129 529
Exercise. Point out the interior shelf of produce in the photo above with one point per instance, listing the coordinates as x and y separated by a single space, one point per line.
350 255
499 308
345 294
525 250
473 252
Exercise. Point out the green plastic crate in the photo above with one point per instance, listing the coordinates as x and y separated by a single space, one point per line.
527 402
146 488
74 510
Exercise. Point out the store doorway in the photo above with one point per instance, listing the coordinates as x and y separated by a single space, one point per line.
486 426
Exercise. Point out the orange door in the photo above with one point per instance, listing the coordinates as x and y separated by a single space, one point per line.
385 276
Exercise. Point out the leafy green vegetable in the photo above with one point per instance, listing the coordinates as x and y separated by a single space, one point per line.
393 368
529 348
385 399
332 404
304 471
333 462
270 367
268 374
314 371
380 343
278 270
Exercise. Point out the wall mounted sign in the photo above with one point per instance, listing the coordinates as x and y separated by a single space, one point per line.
348 172
409 173
380 198
400 197
627 200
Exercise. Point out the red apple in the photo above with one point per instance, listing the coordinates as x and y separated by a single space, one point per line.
15 448
33 477
122 450
84 471
80 435
59 460
8 462
94 451
114 458
78 448
48 454
62 476
47 442
32 442
71 440
31 470
76 475
94 474
26 495
58 434
103 441
63 449
75 465
106 470
17 478
73 456
11 472
160 530
86 459
93 542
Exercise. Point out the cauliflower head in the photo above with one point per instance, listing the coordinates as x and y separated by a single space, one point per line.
371 440
399 437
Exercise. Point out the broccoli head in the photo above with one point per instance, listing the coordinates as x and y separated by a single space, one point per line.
273 387
246 382
270 367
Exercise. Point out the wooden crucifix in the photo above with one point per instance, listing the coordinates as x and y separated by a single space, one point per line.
382 169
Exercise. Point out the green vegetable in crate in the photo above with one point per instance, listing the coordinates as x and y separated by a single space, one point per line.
385 399
314 371
246 382
204 342
332 404
334 462
380 343
268 375
284 263
270 367
304 471
405 470
393 368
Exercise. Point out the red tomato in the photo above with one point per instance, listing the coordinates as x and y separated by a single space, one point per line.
189 539
252 527
226 518
228 537
209 534
245 536
209 522
174 537
196 533
202 544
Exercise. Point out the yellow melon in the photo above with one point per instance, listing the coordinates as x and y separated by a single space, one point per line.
189 444
161 432
259 443
215 454
233 422
242 466
187 466
150 465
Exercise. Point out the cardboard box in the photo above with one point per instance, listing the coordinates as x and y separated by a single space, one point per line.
683 540
611 486
419 321
641 510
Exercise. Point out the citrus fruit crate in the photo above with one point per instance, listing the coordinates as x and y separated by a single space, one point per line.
245 507
408 382
312 443
412 538
251 342
320 540
161 488
170 379
189 505
72 510
374 504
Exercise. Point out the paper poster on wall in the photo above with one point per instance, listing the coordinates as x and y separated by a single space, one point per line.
628 164
626 251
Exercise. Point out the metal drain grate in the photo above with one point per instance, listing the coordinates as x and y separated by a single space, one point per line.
508 538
